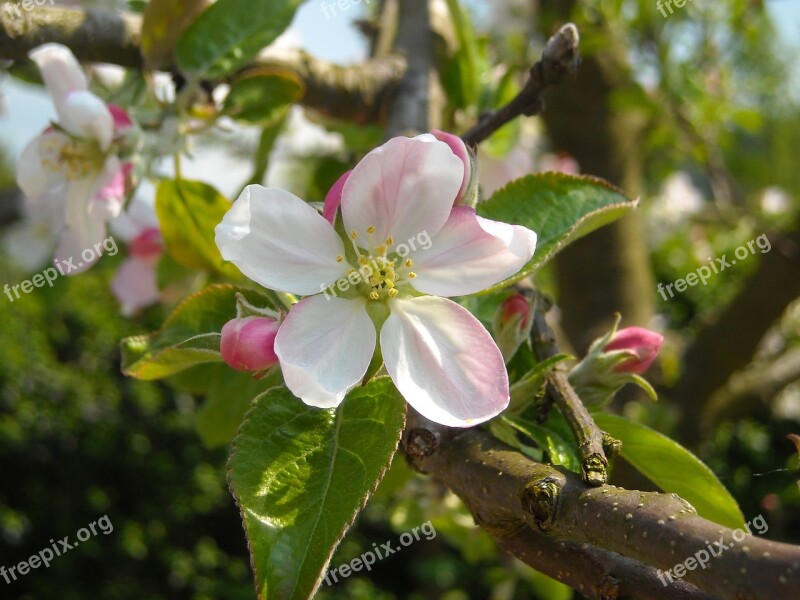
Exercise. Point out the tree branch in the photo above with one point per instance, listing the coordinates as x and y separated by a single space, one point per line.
356 93
518 500
559 58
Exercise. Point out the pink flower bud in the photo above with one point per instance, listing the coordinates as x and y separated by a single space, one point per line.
511 324
644 343
248 344
334 198
148 244
121 118
516 306
460 149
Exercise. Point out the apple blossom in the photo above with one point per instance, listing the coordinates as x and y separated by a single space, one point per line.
73 167
439 356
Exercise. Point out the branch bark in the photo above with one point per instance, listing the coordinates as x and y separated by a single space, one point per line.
355 93
560 57
520 501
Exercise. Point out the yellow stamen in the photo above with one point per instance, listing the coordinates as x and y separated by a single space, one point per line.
354 234
339 258
389 283
409 263
380 250
371 229
363 261
412 275
393 293
375 295
389 241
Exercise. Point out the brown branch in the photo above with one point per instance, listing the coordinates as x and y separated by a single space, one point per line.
560 57
356 93
93 34
518 500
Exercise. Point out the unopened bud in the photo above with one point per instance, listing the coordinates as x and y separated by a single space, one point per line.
617 358
148 244
512 324
248 344
645 344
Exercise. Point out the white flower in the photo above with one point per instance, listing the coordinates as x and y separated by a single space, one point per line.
404 239
70 167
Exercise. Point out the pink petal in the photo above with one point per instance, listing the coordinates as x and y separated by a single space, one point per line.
281 242
135 285
444 362
471 254
403 188
325 347
107 202
334 198
460 149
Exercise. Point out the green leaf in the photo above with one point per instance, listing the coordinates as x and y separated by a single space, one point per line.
190 335
188 212
229 34
263 95
559 450
673 468
560 208
229 394
300 476
163 22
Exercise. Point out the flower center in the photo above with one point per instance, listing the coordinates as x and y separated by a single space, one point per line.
72 158
381 271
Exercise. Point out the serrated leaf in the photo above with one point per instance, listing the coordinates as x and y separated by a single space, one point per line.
188 212
559 207
673 468
162 23
263 95
229 33
189 336
300 475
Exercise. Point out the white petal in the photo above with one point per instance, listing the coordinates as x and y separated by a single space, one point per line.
444 362
60 69
325 347
82 232
107 202
32 178
471 254
404 188
281 242
85 115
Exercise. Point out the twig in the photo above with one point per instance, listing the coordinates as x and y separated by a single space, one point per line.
559 58
593 443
